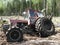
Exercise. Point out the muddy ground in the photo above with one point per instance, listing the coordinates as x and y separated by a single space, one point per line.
34 40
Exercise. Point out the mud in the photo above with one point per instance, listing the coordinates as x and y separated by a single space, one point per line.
34 40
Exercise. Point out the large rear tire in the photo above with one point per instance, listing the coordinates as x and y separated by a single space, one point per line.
14 35
45 27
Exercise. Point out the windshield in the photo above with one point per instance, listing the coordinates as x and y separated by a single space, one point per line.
40 14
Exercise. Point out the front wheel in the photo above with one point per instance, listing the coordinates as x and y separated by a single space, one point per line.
14 35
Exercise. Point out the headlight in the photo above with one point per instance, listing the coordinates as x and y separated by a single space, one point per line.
5 26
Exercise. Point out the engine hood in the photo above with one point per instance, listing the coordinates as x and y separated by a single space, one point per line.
15 21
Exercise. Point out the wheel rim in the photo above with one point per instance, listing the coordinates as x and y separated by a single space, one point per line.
47 24
15 35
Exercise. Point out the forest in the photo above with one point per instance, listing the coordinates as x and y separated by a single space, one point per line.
16 7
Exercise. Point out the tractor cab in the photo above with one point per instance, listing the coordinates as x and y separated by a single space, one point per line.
32 15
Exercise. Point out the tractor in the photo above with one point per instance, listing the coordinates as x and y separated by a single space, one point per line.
33 23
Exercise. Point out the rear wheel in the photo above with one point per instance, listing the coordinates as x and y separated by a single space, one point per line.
45 27
14 35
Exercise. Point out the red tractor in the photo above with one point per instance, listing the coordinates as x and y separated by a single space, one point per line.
34 23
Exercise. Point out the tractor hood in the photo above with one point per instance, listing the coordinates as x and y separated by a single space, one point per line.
15 21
